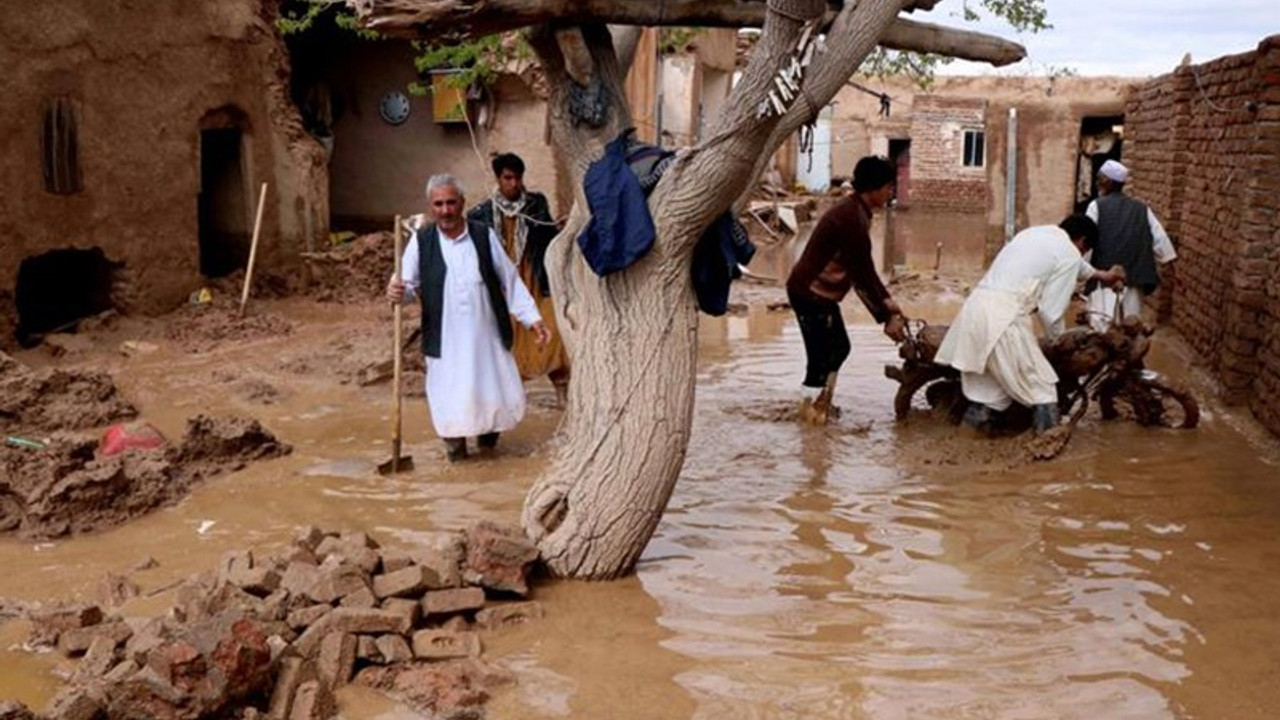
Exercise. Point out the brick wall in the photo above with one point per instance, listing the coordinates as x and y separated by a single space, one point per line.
939 179
1203 144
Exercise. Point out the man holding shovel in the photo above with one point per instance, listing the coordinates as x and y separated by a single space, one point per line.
469 291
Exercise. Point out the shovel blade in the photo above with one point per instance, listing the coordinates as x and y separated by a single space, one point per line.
403 463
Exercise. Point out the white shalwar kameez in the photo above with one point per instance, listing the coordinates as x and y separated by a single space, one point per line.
992 341
474 387
1103 300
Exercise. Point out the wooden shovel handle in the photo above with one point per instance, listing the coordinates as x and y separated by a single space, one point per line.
253 249
396 354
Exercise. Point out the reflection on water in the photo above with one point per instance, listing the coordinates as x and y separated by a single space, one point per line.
800 572
819 573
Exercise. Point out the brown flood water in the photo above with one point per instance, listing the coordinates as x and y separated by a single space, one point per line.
863 570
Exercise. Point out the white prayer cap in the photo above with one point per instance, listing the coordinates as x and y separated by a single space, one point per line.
1114 171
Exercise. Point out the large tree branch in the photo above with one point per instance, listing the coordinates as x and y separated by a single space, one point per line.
446 19
742 143
913 36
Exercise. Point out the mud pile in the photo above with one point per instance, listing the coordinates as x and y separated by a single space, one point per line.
352 273
67 488
278 635
361 357
204 327
41 402
265 285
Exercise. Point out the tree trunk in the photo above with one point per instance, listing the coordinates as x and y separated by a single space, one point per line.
632 341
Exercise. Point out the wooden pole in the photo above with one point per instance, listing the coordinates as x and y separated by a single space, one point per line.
253 249
396 356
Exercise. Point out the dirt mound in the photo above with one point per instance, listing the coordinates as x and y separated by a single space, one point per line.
66 488
201 328
352 273
265 285
213 446
51 400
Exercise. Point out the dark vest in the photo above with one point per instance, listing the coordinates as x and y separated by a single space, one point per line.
1124 238
431 273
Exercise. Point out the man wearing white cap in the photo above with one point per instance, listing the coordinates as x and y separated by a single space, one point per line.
1129 235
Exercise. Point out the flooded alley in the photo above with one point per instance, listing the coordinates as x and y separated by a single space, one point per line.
863 570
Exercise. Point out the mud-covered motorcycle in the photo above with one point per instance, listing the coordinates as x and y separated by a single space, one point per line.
1103 366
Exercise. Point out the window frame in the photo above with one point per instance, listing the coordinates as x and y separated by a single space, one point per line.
973 148
60 146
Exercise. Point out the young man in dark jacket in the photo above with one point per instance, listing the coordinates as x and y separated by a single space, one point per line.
837 260
522 220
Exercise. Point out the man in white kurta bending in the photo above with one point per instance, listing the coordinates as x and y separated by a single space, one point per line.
469 291
992 341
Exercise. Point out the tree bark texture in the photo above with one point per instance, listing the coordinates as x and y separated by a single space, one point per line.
443 19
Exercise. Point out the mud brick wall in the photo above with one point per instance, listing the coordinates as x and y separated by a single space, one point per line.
143 81
1203 143
939 179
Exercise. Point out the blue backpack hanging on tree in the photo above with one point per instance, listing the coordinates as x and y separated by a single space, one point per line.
621 230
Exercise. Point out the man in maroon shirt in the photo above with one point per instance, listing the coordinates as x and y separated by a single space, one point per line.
836 260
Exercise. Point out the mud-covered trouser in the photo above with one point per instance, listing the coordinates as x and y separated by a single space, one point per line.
826 341
1045 416
1016 370
455 448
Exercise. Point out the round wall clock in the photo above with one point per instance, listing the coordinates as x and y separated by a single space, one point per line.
394 107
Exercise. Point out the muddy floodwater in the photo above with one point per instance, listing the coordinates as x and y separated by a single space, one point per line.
863 570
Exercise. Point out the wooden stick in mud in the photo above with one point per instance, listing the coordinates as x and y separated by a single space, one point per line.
253 249
398 462
396 361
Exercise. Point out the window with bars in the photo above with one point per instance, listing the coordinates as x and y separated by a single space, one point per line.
975 148
61 147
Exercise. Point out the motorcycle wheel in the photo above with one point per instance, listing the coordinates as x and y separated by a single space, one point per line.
912 380
1157 401
946 400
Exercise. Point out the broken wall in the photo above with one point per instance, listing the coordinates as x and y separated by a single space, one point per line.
139 79
1203 145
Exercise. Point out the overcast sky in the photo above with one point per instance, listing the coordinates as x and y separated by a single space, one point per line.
1125 37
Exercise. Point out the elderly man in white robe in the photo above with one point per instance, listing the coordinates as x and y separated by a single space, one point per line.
469 291
992 341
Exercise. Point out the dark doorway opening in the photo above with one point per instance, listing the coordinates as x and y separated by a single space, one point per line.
900 155
1101 139
59 288
223 209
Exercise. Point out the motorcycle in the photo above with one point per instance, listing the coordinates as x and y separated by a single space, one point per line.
1105 367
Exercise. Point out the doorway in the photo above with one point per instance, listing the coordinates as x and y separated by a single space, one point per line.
60 287
814 171
222 206
900 156
1101 139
